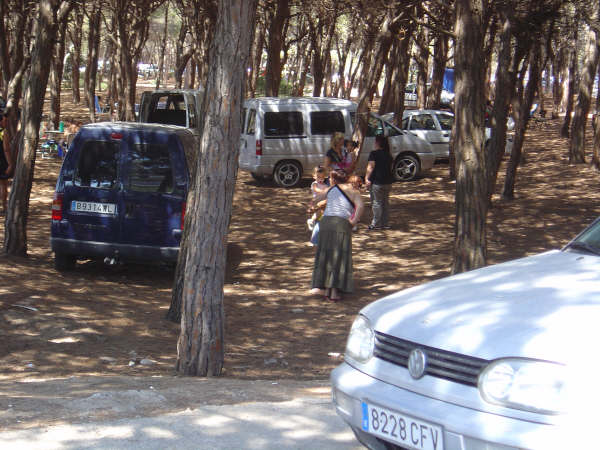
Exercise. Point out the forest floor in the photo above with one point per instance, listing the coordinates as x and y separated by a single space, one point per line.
102 321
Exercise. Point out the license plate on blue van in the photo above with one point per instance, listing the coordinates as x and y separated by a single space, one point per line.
91 207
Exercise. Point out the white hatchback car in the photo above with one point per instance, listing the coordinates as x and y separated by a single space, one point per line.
502 357
435 126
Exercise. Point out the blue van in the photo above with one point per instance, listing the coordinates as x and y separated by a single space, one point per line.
121 194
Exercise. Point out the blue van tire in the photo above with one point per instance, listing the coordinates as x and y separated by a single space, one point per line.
287 174
64 261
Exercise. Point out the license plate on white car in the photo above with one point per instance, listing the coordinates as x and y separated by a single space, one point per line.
402 429
92 207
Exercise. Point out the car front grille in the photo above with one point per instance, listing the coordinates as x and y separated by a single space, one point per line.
440 363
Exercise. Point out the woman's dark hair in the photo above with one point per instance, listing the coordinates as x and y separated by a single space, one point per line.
338 176
383 143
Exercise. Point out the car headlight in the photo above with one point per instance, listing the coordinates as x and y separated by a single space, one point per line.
526 384
361 340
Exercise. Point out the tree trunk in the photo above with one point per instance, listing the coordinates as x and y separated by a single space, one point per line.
596 155
76 54
181 58
163 48
56 75
584 96
570 91
256 59
91 69
504 91
274 46
522 106
371 72
470 245
421 58
200 348
50 14
402 58
439 64
559 68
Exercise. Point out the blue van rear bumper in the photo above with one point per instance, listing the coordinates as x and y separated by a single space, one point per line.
91 249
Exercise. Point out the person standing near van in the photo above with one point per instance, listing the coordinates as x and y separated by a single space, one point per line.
379 180
337 157
332 270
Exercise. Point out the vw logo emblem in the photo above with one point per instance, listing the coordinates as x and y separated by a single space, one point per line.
417 363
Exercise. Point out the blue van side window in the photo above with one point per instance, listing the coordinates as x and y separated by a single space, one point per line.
98 164
151 169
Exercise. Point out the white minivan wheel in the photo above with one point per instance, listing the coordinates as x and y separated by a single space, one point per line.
406 168
287 174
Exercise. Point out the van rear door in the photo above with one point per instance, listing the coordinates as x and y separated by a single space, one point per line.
154 189
92 197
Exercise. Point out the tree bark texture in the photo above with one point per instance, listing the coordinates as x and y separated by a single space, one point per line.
439 64
522 106
163 48
91 69
570 91
75 36
584 96
470 245
371 72
51 13
56 75
200 346
274 46
506 75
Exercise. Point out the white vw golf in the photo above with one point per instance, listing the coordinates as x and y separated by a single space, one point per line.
503 357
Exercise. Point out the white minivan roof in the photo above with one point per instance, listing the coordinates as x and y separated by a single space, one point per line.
286 101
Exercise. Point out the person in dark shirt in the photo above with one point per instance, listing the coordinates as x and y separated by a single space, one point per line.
379 181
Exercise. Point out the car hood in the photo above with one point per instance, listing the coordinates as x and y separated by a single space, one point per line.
545 307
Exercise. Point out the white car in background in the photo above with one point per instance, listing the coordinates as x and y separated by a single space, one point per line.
498 358
435 126
410 96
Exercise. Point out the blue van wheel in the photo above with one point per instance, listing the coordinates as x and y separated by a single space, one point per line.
64 262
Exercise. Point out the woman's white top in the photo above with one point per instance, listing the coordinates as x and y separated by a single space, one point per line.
338 204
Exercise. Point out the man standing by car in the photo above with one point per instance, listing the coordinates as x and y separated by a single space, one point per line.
379 180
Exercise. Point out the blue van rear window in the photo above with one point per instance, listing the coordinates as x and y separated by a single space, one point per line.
151 169
98 164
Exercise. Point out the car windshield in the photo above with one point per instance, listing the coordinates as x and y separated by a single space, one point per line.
589 240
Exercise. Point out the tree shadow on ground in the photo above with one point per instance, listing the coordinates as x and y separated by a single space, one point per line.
104 320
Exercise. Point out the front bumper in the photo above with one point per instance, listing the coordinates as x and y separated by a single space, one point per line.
463 428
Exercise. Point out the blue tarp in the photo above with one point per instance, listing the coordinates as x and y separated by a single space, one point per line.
448 84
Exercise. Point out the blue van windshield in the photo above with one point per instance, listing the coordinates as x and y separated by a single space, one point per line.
98 164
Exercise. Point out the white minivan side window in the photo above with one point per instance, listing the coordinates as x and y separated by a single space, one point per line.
326 122
285 123
251 126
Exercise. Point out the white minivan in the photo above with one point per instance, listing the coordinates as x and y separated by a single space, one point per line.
284 138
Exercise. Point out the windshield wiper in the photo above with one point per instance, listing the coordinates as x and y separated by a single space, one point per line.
584 246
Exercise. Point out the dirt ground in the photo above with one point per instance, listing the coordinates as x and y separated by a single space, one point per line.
103 321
